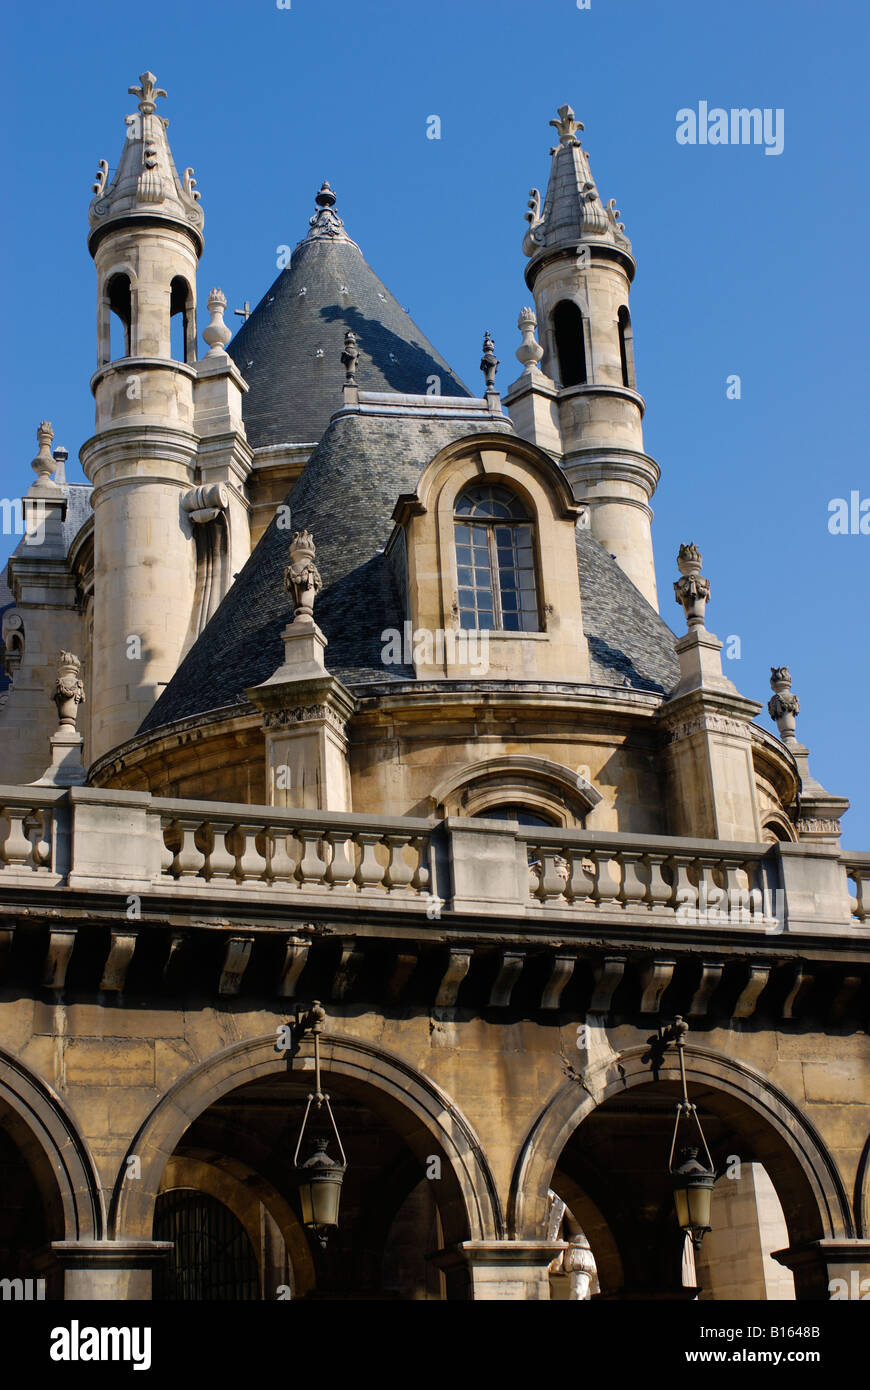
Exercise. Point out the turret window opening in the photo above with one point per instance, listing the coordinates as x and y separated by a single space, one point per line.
120 317
495 561
182 334
568 329
626 347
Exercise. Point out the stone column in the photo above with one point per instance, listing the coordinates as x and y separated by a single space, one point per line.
110 1270
500 1269
829 1269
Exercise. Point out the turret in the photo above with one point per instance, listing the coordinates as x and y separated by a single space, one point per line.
580 400
146 239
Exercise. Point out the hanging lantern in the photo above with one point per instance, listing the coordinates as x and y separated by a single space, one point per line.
319 1177
692 1180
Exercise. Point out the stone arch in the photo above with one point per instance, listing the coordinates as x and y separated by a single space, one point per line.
56 1152
811 1170
548 786
400 1091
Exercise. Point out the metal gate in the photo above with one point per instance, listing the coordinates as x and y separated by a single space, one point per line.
212 1256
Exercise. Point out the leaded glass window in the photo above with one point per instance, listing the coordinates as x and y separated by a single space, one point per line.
495 561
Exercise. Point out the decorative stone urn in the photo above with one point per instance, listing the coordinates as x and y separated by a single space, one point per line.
68 692
216 333
692 590
302 577
783 705
529 351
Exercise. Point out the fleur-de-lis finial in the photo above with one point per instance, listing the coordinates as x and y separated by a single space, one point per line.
148 93
567 127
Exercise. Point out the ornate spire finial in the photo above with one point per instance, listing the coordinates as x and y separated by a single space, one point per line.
489 362
349 358
302 577
325 223
43 465
216 333
529 351
147 93
783 705
692 590
567 128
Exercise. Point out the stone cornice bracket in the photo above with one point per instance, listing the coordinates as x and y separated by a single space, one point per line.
203 504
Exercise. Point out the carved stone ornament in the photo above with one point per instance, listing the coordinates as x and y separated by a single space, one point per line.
325 222
489 362
43 464
303 714
692 590
566 128
783 705
529 352
216 333
302 577
349 357
68 691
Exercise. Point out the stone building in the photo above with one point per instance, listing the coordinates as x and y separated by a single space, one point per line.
364 697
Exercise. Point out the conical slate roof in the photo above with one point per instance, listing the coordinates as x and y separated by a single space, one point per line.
573 211
289 349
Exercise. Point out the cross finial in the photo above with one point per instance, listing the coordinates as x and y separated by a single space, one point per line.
245 311
148 93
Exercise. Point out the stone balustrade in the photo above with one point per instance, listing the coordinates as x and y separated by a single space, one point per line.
132 842
858 871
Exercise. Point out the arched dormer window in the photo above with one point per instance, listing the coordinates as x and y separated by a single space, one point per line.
570 343
626 346
182 330
120 318
495 561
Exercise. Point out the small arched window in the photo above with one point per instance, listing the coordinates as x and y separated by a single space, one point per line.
182 332
514 811
120 317
570 343
626 346
495 561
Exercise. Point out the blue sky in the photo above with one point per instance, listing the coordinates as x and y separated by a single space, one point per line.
747 263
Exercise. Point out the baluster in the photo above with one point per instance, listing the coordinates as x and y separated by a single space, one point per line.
607 878
684 891
860 877
555 875
399 872
737 889
422 873
311 867
369 870
660 889
581 884
635 880
17 849
712 898
171 841
251 862
282 865
221 859
42 838
189 858
341 865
